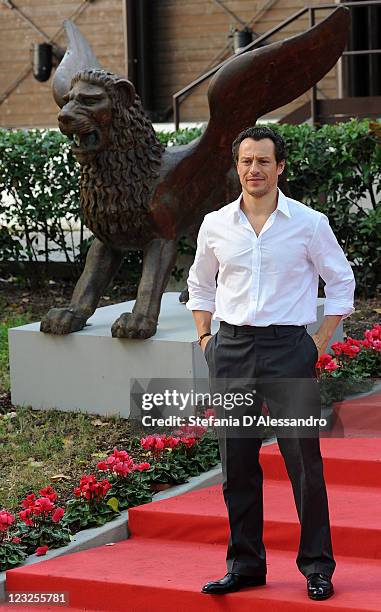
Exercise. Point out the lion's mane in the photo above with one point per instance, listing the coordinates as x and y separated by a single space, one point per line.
116 187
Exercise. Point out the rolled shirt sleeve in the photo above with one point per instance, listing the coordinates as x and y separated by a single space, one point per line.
329 259
202 275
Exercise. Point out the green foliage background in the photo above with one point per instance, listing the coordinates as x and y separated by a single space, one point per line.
332 169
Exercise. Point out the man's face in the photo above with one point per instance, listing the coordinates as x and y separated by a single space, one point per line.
257 168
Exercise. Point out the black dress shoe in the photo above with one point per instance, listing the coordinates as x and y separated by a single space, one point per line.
232 582
319 586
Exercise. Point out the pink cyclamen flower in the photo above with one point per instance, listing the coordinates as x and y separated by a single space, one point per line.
331 366
122 468
122 455
41 551
141 467
192 431
119 462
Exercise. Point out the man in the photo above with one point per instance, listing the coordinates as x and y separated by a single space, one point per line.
269 251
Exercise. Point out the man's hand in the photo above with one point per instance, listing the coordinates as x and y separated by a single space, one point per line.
325 332
204 342
321 345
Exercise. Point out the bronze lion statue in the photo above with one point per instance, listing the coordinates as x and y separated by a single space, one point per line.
136 194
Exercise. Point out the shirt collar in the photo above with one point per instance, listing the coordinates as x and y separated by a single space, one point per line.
282 205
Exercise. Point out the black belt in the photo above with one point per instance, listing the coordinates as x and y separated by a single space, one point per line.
268 330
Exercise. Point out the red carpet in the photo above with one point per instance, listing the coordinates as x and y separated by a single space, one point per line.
359 417
177 545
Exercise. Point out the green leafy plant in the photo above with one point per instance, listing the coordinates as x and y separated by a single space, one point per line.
12 551
175 458
39 181
179 137
352 368
336 169
90 507
126 477
205 454
41 525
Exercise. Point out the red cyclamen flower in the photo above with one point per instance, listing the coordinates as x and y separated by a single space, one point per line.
90 488
49 492
331 366
57 514
188 442
6 519
43 505
28 502
141 467
25 516
153 443
324 360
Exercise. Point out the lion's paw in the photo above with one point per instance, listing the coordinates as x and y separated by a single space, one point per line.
62 321
133 325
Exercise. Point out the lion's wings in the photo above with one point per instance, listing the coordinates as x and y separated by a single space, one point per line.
260 81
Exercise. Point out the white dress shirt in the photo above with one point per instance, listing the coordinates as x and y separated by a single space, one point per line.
271 278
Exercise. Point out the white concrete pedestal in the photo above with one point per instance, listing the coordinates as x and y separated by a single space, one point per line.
89 371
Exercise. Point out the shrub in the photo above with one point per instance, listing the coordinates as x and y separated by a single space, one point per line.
333 169
39 177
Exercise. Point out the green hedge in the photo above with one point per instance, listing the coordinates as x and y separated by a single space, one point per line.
332 169
39 174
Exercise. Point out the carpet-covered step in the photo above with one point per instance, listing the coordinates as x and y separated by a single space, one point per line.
359 417
347 461
201 516
139 575
42 608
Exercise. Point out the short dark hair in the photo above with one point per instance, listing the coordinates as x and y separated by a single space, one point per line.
259 133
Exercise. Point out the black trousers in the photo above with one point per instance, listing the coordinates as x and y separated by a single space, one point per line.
278 361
